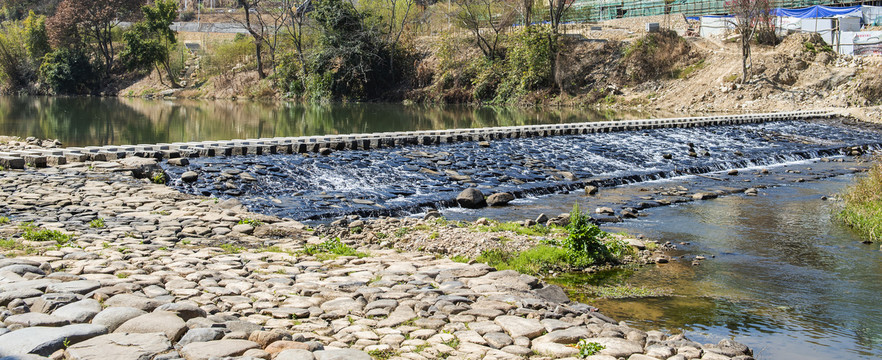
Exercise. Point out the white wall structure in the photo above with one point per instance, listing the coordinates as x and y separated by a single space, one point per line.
860 43
715 25
824 27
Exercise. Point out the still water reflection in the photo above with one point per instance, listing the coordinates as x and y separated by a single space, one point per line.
82 121
787 280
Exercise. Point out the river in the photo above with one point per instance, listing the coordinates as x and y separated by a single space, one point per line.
781 275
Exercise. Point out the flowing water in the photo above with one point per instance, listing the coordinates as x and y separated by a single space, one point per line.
402 180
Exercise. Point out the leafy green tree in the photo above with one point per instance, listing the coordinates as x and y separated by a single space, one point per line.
36 39
67 71
15 71
353 53
149 41
90 24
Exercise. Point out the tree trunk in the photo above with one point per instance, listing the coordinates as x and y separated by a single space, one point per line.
259 47
745 59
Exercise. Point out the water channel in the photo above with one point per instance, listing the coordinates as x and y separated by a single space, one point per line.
781 275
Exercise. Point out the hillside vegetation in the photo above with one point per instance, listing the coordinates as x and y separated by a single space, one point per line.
414 51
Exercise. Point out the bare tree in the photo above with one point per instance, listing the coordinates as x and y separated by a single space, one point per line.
557 10
296 22
257 31
487 20
399 12
747 16
527 12
272 15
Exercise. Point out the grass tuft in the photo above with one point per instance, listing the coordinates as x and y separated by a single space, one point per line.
863 204
331 249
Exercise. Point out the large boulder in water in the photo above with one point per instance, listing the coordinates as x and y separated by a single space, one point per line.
471 198
500 199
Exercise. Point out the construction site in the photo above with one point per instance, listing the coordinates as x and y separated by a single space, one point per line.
599 10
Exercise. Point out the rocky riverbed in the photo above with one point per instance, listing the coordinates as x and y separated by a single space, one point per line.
101 265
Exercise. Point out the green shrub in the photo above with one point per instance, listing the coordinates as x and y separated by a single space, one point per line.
529 62
655 55
68 71
584 243
16 72
355 54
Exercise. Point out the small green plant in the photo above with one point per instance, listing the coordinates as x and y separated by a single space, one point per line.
401 232
587 348
810 47
382 354
730 78
459 259
454 342
381 235
122 275
105 245
252 222
4 220
34 233
356 230
333 247
158 178
161 212
434 235
96 223
65 343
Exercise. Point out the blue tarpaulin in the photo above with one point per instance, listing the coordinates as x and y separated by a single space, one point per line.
819 11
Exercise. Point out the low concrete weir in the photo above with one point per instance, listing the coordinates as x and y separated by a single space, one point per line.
305 144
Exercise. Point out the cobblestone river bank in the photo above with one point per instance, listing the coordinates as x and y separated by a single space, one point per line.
102 265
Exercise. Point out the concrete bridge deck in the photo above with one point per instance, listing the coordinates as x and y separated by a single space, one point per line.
305 144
